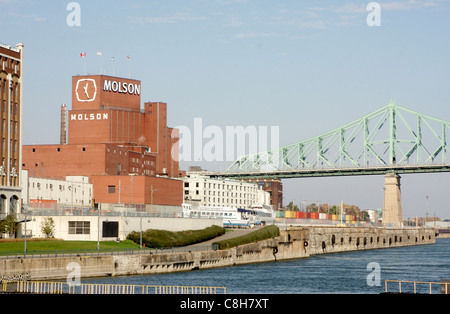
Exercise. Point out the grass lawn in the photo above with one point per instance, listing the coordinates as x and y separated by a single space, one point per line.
36 246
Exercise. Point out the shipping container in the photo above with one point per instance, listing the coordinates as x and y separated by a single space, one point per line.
314 215
301 215
279 214
329 217
290 214
322 216
308 215
335 217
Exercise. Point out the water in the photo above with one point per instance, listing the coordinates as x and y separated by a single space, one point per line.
330 274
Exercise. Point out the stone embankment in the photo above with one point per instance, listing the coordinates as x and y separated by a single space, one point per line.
291 244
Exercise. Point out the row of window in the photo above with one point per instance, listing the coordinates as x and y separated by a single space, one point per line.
211 214
61 186
224 186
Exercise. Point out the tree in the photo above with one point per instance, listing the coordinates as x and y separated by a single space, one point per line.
292 207
9 226
48 228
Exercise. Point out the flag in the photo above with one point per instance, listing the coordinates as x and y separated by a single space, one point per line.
83 55
128 58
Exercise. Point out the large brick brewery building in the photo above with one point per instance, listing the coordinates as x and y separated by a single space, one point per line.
126 151
11 66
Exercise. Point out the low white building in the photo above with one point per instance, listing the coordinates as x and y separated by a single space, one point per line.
106 228
203 191
75 191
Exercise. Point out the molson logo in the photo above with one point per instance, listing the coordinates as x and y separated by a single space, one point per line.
89 116
121 87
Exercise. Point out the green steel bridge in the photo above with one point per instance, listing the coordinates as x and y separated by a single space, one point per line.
392 139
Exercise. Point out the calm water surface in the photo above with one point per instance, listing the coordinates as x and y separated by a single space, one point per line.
332 273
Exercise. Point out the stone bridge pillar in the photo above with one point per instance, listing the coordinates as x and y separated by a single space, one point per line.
392 208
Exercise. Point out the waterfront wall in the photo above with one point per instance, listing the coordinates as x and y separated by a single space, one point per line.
291 244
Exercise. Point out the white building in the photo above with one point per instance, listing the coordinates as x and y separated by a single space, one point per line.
75 191
203 191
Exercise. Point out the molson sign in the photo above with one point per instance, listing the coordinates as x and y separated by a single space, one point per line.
88 116
99 92
121 87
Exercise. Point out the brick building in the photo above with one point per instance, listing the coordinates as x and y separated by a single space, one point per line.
109 137
11 69
275 189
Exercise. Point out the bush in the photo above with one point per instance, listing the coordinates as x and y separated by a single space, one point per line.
166 239
258 235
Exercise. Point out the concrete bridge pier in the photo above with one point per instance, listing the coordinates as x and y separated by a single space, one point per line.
392 208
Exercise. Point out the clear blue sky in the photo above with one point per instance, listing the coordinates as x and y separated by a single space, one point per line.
305 66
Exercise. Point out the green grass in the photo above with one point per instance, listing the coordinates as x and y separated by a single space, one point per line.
51 245
166 239
255 236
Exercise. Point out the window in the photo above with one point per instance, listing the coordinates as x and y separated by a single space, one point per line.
111 189
79 227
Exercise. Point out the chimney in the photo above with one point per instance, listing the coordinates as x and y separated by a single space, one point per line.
63 125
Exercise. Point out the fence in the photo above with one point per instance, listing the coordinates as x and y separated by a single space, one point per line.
34 287
417 287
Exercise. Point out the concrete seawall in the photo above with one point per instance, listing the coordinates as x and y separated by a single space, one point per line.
291 244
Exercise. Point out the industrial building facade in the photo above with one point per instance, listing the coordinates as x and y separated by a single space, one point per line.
11 71
110 139
204 191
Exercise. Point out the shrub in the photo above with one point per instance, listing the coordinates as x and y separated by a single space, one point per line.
258 235
165 239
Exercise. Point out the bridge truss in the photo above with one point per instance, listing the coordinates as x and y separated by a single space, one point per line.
391 139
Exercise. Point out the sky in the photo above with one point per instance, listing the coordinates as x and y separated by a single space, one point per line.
305 67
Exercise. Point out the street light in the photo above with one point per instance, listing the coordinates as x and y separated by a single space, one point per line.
131 188
140 238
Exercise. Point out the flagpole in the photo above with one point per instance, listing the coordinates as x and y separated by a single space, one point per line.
83 55
129 67
101 61
114 70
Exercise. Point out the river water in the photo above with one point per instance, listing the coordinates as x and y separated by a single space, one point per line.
325 274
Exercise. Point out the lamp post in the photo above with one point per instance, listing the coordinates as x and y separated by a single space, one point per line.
25 242
98 227
151 196
131 187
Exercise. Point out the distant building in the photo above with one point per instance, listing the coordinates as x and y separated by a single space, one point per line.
11 104
203 191
75 191
275 189
374 215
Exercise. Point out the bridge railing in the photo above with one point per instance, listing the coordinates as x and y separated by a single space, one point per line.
36 287
417 287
